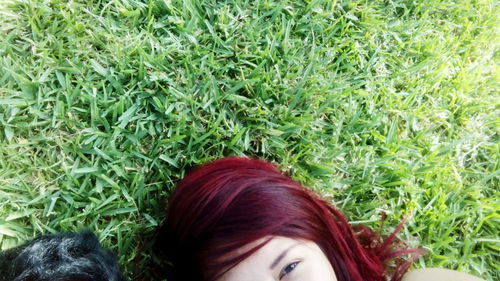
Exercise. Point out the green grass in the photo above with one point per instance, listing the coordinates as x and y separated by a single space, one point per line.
384 106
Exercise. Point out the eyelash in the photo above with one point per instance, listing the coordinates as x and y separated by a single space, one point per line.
292 266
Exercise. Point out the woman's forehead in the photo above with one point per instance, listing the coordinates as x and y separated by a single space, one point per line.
271 243
264 259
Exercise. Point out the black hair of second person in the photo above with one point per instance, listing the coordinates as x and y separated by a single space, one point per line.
60 257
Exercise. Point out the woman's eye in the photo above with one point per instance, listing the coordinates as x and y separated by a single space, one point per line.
288 269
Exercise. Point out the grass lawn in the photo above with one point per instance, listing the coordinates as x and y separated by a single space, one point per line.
384 106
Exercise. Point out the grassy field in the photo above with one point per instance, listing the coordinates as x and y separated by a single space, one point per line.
384 106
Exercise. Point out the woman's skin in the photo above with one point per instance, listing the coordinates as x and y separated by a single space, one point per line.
438 274
283 259
286 259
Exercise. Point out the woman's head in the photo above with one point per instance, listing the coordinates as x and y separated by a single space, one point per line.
226 212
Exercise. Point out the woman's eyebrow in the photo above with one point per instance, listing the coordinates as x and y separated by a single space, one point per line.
281 256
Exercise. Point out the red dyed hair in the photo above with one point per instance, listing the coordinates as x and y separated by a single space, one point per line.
229 203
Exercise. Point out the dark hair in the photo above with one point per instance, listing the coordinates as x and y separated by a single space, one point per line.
229 203
60 257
